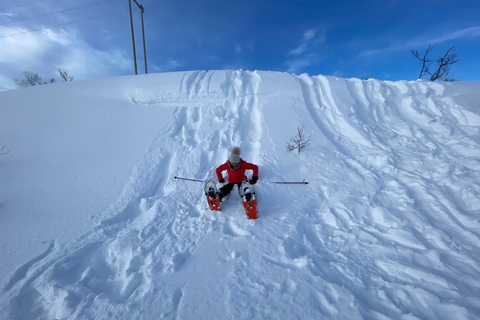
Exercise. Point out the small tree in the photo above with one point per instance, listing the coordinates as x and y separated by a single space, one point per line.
64 75
299 141
442 70
32 79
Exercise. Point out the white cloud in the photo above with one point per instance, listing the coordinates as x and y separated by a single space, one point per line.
173 64
338 73
246 48
306 54
45 51
426 40
237 48
472 32
307 36
298 65
169 65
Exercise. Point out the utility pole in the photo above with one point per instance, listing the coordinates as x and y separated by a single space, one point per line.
133 36
143 33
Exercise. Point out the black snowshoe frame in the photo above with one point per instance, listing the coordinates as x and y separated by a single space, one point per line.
246 191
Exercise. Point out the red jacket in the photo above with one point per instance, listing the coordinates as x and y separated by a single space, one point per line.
236 176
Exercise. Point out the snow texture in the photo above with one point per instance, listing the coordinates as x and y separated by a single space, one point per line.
94 225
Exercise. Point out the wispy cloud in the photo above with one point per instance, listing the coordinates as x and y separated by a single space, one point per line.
338 73
46 51
306 54
307 36
426 40
239 48
295 66
172 64
472 32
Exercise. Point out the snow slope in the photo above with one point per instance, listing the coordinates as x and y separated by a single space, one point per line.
94 225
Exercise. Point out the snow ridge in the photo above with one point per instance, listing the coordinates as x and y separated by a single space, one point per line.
387 228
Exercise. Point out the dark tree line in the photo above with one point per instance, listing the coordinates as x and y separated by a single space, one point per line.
31 79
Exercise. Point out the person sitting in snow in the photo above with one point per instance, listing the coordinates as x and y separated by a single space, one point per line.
235 167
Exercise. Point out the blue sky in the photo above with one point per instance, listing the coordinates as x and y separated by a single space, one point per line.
346 38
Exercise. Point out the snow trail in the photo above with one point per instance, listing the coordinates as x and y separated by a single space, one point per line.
118 261
387 228
397 171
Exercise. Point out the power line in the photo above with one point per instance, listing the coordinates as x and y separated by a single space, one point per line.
62 24
21 5
366 16
319 13
52 13
386 4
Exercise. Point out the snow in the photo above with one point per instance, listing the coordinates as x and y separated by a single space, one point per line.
94 225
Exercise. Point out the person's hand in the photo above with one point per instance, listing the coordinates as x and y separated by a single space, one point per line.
221 180
254 180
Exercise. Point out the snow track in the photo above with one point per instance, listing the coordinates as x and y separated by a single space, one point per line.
387 228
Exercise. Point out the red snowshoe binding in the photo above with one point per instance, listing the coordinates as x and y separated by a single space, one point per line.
247 193
212 196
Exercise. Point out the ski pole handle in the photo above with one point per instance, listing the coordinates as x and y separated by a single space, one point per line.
195 180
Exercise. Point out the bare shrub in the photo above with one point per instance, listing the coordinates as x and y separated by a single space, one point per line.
299 141
32 79
442 69
64 75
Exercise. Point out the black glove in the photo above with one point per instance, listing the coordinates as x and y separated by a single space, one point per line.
254 180
221 181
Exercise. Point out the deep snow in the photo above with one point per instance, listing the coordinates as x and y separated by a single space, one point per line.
94 225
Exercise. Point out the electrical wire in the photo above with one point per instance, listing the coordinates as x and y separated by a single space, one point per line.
52 13
436 5
319 13
21 5
62 24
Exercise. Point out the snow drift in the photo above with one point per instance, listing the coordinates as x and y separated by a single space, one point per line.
93 225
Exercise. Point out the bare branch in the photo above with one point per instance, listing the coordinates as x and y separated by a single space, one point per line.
64 75
425 61
442 70
444 63
32 79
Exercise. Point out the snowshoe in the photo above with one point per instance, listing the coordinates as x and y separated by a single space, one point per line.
247 193
212 196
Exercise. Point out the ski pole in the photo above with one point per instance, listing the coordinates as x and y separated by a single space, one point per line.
195 180
289 182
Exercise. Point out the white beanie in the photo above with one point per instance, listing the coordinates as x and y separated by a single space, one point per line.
235 156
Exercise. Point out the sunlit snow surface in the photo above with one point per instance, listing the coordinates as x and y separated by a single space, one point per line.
93 224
